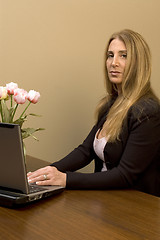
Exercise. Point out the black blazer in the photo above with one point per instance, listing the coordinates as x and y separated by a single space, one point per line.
132 162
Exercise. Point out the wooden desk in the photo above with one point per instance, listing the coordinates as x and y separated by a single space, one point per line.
83 215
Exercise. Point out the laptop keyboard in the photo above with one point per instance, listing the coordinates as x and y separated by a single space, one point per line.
34 188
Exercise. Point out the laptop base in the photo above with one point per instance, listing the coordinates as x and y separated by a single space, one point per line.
15 200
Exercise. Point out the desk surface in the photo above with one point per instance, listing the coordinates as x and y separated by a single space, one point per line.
83 215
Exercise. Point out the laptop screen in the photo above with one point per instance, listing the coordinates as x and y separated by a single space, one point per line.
12 163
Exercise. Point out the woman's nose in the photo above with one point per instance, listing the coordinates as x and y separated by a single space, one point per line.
115 62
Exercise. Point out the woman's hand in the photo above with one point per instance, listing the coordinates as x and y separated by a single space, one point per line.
47 176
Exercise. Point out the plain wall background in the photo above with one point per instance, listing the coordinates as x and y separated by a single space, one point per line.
56 47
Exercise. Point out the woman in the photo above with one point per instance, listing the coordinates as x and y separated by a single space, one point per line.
125 141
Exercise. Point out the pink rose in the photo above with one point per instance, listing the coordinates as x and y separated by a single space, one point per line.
20 96
33 96
11 87
3 93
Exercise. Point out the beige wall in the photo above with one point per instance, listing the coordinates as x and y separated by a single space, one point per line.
56 47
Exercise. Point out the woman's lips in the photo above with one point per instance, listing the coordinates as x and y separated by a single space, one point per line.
114 73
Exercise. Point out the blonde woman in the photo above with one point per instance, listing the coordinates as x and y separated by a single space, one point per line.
125 141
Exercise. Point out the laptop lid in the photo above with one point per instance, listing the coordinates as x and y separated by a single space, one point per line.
12 170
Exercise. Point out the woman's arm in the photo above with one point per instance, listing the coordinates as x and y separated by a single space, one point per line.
56 173
80 156
84 153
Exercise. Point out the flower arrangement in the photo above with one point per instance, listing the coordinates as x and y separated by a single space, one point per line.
17 96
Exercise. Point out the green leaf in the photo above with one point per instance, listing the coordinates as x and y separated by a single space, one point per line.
34 115
7 113
27 132
21 120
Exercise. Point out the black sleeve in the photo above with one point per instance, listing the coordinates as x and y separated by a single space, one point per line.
141 149
80 156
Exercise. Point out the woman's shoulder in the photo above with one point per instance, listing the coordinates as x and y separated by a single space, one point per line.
145 108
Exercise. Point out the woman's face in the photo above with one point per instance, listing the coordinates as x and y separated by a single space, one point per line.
116 61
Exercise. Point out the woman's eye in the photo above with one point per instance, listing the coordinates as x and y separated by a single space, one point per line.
124 55
110 55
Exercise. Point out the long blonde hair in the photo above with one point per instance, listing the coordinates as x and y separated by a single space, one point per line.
135 84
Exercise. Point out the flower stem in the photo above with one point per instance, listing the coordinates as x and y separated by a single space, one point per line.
14 112
1 112
11 100
25 110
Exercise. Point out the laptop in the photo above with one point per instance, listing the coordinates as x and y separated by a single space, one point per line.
14 187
